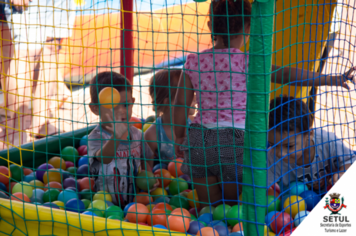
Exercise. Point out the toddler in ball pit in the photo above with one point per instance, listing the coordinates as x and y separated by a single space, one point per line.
115 149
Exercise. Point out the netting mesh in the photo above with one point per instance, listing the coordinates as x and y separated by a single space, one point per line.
220 126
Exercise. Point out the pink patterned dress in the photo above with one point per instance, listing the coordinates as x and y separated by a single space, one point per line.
219 80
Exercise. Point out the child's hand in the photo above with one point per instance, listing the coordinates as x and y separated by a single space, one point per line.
116 128
155 186
348 76
179 153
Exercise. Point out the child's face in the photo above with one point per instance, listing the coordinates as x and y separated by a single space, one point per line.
288 145
122 112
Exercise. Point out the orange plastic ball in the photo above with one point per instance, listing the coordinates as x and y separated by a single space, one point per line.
52 185
137 213
164 176
20 197
174 167
86 183
238 227
157 217
57 163
109 97
163 206
181 212
136 122
178 223
5 174
143 198
208 231
52 175
27 171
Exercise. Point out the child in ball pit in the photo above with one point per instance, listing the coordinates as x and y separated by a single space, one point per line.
213 148
115 149
298 152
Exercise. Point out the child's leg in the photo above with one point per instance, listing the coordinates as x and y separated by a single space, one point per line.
208 190
230 192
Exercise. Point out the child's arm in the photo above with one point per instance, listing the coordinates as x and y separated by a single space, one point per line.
308 78
151 136
183 101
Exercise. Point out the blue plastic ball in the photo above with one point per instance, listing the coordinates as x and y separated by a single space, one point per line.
109 203
127 207
222 230
50 205
83 171
310 198
296 188
206 218
237 234
37 195
160 226
216 222
299 217
89 213
67 195
30 177
194 227
162 199
75 205
268 218
37 203
159 166
66 175
84 160
3 187
83 140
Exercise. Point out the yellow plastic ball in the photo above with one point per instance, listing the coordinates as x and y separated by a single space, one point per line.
293 205
109 97
150 207
193 199
102 195
158 192
57 163
269 233
146 126
59 204
36 184
52 175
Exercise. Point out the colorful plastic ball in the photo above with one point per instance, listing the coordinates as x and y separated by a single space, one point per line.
268 218
127 207
52 175
163 206
3 195
207 209
89 213
20 197
221 211
310 198
273 204
4 175
293 205
207 231
162 199
86 203
194 227
86 194
55 185
66 175
84 160
82 171
16 172
51 205
299 217
59 204
236 234
70 154
296 188
157 217
178 223
238 227
30 177
27 171
115 218
137 213
145 180
83 140
179 202
159 166
36 184
222 230
41 170
50 195
174 167
216 222
158 192
109 97
99 204
136 122
37 195
67 195
57 163
164 177
23 187
234 215
181 211
69 164
160 226
3 187
70 182
194 211
281 221
86 183
96 211
75 205
82 150
207 218
114 211
143 198
177 186
109 203
102 195
72 189
72 170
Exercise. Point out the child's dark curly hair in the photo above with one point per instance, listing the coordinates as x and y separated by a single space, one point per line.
238 13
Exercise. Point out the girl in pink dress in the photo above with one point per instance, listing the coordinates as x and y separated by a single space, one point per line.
213 148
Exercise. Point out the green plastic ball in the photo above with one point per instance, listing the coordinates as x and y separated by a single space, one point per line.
114 211
145 180
70 154
23 187
16 172
86 203
234 215
179 202
177 186
86 194
96 211
207 209
114 217
99 204
50 195
274 204
72 170
221 211
192 217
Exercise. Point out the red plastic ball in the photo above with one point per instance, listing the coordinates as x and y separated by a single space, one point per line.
4 175
281 221
82 150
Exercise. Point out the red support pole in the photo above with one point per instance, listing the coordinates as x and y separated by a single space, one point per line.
127 47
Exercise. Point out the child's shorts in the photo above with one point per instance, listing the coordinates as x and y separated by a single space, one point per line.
213 152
